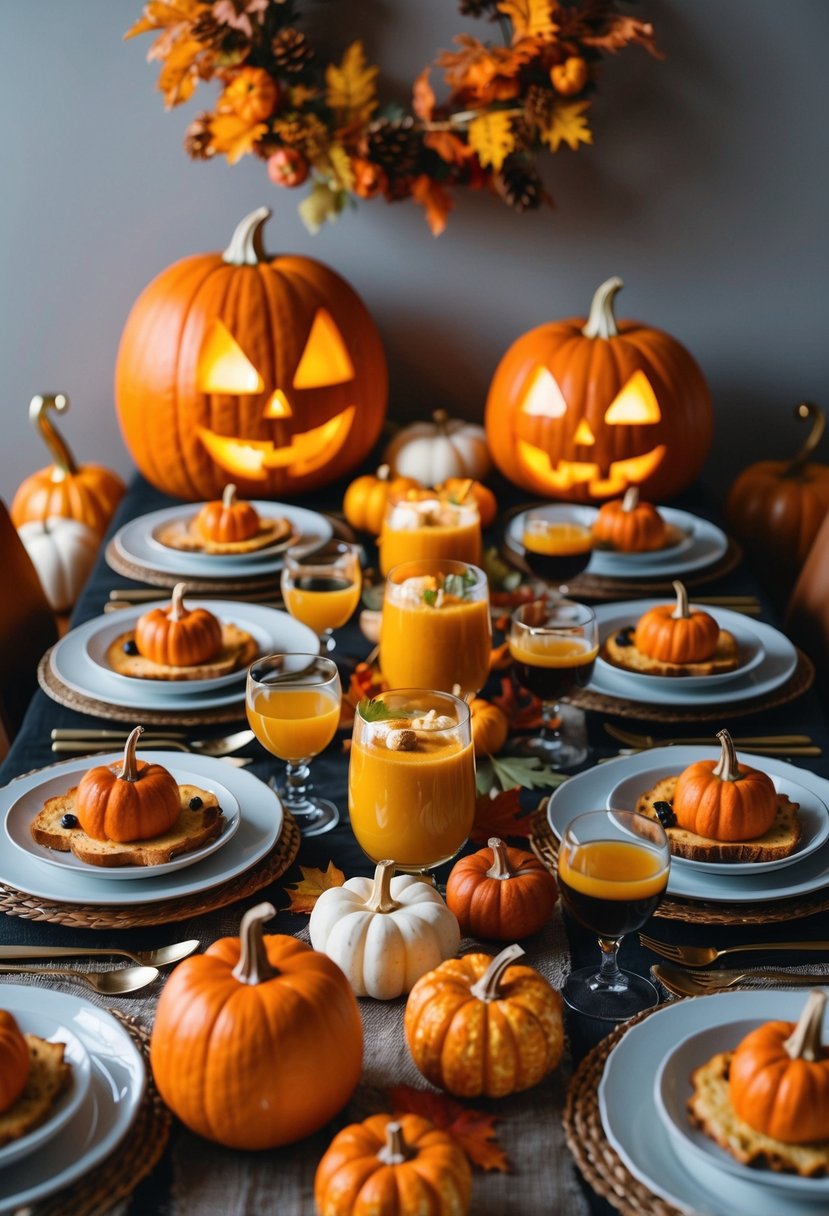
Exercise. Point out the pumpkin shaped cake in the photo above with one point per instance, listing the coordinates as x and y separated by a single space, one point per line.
673 640
225 526
33 1073
628 525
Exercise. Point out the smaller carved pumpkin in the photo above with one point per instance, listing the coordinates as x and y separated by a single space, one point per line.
393 1167
490 727
501 893
132 800
228 520
674 633
629 525
434 451
724 800
14 1061
364 505
178 636
457 488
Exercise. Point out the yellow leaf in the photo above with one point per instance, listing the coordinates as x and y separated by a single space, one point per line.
436 201
306 893
339 164
490 135
350 88
323 203
567 125
234 136
530 19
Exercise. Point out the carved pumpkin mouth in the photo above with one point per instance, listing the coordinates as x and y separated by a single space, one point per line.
569 473
307 451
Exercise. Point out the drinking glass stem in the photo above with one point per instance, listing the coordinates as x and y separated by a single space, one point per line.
609 975
327 642
297 785
551 720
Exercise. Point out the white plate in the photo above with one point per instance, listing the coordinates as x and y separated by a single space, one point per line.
633 1127
813 815
135 542
106 1114
35 1021
259 828
24 809
590 789
752 653
672 1089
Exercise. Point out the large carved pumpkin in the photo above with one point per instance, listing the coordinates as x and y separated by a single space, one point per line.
267 372
581 410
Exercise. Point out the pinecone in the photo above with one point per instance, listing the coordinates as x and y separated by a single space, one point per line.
538 105
211 33
292 51
480 8
197 138
519 185
393 144
523 132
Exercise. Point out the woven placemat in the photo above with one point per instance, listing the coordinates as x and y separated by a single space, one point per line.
98 916
96 1193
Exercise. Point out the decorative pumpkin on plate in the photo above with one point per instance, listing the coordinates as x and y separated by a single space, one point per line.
228 519
133 801
265 371
384 933
674 633
63 552
724 800
490 727
178 636
501 893
481 1025
581 410
629 525
404 1166
257 1042
15 1061
437 450
366 499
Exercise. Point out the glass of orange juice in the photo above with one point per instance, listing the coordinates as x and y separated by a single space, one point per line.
321 585
411 777
613 869
293 707
435 630
431 527
558 542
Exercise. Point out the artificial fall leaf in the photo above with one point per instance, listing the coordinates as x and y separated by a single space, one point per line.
305 894
521 707
567 125
435 200
324 203
448 147
339 166
530 19
366 681
499 813
350 88
621 32
166 15
474 1131
423 97
233 136
491 137
481 74
185 60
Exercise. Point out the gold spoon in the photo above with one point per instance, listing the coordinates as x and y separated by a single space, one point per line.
111 983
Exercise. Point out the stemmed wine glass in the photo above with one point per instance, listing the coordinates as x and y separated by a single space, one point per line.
558 543
321 585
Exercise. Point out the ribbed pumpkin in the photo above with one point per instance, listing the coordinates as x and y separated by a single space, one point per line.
132 800
673 633
364 505
501 893
490 727
437 450
228 519
258 1041
724 800
629 525
581 409
176 635
14 1061
265 371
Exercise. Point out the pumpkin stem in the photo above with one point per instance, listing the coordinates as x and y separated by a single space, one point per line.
395 1151
806 410
804 1043
500 860
631 499
65 465
129 767
253 966
246 247
384 472
680 613
601 322
381 899
228 496
440 418
727 768
488 987
177 609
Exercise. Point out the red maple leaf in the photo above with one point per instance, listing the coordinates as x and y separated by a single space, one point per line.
500 815
474 1131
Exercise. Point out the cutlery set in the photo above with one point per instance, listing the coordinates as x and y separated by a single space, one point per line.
690 979
82 741
767 745
117 981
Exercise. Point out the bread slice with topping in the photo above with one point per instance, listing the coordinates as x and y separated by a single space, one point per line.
187 538
621 650
49 1075
239 649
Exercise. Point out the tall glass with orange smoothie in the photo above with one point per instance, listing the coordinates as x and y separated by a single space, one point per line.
433 527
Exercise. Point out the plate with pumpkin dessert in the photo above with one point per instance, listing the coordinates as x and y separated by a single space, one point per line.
226 527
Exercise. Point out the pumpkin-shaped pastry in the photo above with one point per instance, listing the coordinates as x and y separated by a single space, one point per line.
136 803
14 1061
258 1041
404 1166
501 893
674 633
366 499
384 934
176 636
724 800
490 727
480 1025
629 525
227 520
779 1077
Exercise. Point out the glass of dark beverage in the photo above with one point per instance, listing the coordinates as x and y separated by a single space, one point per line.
613 869
558 543
554 644
321 585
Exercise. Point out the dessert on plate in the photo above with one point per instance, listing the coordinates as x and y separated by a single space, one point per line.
626 525
33 1073
673 640
225 526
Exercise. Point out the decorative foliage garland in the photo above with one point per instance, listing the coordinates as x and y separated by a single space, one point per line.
505 103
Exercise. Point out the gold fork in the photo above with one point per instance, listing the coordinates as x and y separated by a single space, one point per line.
700 983
632 739
702 956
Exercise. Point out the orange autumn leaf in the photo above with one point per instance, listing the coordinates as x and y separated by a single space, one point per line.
423 97
448 147
185 60
305 894
474 1131
500 657
520 706
234 136
366 681
621 32
435 200
499 815
483 73
530 19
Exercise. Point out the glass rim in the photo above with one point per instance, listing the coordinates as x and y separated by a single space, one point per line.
420 693
319 661
309 550
437 565
653 825
589 616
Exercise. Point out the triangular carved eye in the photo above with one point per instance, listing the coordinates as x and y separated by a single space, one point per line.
544 398
223 366
325 359
635 404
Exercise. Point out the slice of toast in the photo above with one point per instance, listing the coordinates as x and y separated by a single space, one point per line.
192 829
779 841
186 537
628 656
710 1109
49 1075
238 651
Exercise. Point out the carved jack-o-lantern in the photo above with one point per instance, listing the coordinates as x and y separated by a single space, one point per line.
581 410
268 372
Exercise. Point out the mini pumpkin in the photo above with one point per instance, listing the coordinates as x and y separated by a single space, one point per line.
570 76
257 1042
14 1061
481 1025
779 1077
228 520
629 525
674 633
178 636
384 933
63 552
724 800
434 451
364 505
490 727
501 893
393 1167
458 488
132 800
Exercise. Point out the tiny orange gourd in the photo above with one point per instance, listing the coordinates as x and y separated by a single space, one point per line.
366 499
724 800
178 636
227 520
675 633
569 77
14 1061
136 803
490 727
501 893
629 525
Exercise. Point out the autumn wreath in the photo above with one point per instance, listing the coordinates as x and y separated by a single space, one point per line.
505 103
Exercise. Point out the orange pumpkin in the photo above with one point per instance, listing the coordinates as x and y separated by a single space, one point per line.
403 1167
501 893
490 727
724 800
672 633
14 1061
779 1078
87 493
228 519
478 1025
267 372
630 525
483 496
581 409
258 1041
569 77
253 94
366 499
178 636
130 801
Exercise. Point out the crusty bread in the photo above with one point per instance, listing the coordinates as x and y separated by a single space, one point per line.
238 651
780 840
49 1075
192 829
725 658
710 1109
185 536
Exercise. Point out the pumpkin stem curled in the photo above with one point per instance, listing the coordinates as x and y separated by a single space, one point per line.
631 499
129 766
65 464
440 418
380 899
500 860
177 609
246 247
253 966
488 987
228 496
680 613
601 323
727 768
806 410
804 1042
395 1151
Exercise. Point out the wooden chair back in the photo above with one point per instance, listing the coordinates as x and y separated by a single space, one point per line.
807 614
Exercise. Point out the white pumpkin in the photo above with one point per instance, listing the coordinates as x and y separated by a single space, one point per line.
433 451
63 552
384 933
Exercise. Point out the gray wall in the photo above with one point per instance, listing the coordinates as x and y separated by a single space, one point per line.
706 191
